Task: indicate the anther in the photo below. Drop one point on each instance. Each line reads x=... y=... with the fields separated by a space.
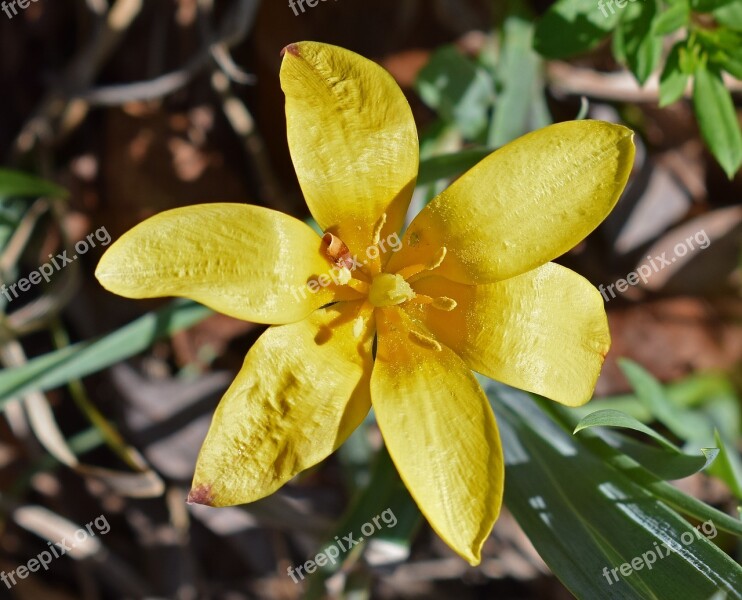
x=411 y=272
x=337 y=251
x=377 y=229
x=425 y=341
x=437 y=259
x=358 y=327
x=444 y=303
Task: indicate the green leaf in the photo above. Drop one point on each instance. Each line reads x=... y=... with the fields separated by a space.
x=634 y=42
x=732 y=65
x=572 y=26
x=519 y=80
x=614 y=418
x=693 y=507
x=728 y=466
x=586 y=517
x=730 y=15
x=724 y=49
x=458 y=89
x=16 y=183
x=666 y=463
x=675 y=17
x=597 y=442
x=449 y=165
x=57 y=368
x=650 y=391
x=385 y=493
x=705 y=6
x=673 y=80
x=717 y=119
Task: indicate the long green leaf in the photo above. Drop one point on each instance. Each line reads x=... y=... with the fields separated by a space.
x=673 y=80
x=56 y=368
x=449 y=165
x=669 y=462
x=16 y=183
x=572 y=26
x=458 y=89
x=518 y=78
x=717 y=119
x=682 y=423
x=665 y=464
x=728 y=467
x=587 y=518
x=614 y=418
x=639 y=47
x=384 y=492
x=730 y=15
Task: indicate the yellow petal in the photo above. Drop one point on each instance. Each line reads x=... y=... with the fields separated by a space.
x=352 y=139
x=544 y=331
x=525 y=204
x=440 y=432
x=303 y=389
x=245 y=261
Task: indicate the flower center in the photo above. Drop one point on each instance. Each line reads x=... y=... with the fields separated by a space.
x=389 y=289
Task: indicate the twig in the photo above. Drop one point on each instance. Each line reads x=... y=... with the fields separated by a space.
x=57 y=113
x=239 y=117
x=235 y=26
x=619 y=86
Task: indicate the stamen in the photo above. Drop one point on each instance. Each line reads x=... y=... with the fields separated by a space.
x=441 y=303
x=445 y=303
x=359 y=323
x=409 y=273
x=344 y=276
x=358 y=327
x=424 y=340
x=437 y=259
x=337 y=251
x=421 y=299
x=359 y=286
x=377 y=229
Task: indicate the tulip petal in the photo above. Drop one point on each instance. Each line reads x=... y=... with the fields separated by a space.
x=245 y=261
x=303 y=389
x=440 y=432
x=352 y=139
x=523 y=205
x=544 y=331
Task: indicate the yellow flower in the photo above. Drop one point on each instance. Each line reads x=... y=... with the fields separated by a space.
x=468 y=287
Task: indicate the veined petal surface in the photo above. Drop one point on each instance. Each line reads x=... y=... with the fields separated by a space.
x=440 y=432
x=304 y=387
x=544 y=331
x=245 y=261
x=525 y=204
x=352 y=139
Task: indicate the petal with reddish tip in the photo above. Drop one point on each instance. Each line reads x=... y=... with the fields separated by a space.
x=303 y=389
x=352 y=138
